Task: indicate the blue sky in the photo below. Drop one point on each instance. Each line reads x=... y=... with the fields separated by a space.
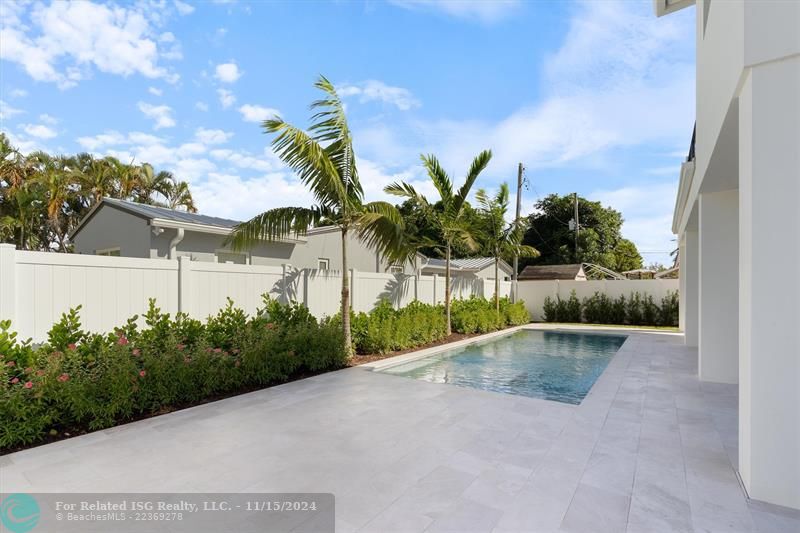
x=595 y=97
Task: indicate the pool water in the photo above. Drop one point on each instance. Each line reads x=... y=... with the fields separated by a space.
x=540 y=364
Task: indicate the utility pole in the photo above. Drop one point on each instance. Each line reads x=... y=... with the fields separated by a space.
x=577 y=228
x=515 y=282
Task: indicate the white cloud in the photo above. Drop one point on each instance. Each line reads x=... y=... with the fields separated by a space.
x=483 y=10
x=22 y=143
x=226 y=98
x=227 y=72
x=62 y=42
x=18 y=93
x=48 y=119
x=40 y=131
x=155 y=91
x=257 y=113
x=160 y=114
x=647 y=210
x=6 y=111
x=115 y=138
x=374 y=90
x=246 y=197
x=201 y=106
x=183 y=8
x=207 y=136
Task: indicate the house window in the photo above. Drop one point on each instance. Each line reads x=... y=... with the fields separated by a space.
x=323 y=264
x=109 y=252
x=231 y=257
x=396 y=269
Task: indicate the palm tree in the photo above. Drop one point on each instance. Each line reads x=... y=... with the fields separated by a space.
x=95 y=177
x=148 y=182
x=499 y=237
x=54 y=174
x=448 y=212
x=178 y=195
x=324 y=161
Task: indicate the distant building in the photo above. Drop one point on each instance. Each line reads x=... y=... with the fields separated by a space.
x=548 y=272
x=475 y=267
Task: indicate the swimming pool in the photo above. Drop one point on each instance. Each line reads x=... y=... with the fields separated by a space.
x=541 y=364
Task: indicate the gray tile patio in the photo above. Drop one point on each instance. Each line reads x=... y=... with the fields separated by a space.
x=650 y=449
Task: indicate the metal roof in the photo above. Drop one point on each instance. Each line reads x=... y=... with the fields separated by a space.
x=151 y=212
x=470 y=264
x=540 y=272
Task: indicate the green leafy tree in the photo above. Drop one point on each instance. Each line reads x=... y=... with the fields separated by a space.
x=324 y=161
x=448 y=214
x=44 y=196
x=600 y=239
x=499 y=238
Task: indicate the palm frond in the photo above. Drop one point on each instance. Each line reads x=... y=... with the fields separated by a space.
x=440 y=179
x=478 y=164
x=274 y=224
x=406 y=190
x=381 y=227
x=303 y=154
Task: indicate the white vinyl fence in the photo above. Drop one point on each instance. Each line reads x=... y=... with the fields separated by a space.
x=534 y=292
x=36 y=287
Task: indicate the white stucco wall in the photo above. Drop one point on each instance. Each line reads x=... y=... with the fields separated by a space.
x=718 y=350
x=769 y=336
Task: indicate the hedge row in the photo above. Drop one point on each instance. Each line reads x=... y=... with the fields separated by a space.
x=79 y=381
x=636 y=310
x=386 y=329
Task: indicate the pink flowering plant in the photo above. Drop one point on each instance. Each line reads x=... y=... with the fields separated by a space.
x=79 y=381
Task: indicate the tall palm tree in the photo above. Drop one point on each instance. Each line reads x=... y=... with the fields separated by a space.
x=448 y=212
x=324 y=161
x=54 y=174
x=500 y=238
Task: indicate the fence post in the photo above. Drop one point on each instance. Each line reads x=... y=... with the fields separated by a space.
x=8 y=284
x=416 y=285
x=184 y=284
x=435 y=283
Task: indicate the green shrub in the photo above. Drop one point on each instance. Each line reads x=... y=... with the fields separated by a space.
x=649 y=311
x=668 y=313
x=549 y=309
x=633 y=310
x=514 y=314
x=385 y=329
x=80 y=381
x=474 y=315
x=618 y=311
x=572 y=308
x=597 y=309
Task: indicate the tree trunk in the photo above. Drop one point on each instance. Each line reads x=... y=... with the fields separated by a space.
x=497 y=287
x=448 y=329
x=348 y=339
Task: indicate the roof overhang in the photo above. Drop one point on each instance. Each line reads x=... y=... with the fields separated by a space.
x=665 y=7
x=679 y=215
x=207 y=228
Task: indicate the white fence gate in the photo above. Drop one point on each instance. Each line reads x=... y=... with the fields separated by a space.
x=36 y=287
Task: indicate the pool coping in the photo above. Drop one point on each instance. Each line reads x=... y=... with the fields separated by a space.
x=427 y=352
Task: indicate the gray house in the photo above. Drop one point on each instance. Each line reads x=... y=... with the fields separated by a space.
x=128 y=229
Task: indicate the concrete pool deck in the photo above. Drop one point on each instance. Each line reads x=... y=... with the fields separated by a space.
x=651 y=448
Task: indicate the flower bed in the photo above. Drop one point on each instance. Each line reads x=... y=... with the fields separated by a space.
x=78 y=381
